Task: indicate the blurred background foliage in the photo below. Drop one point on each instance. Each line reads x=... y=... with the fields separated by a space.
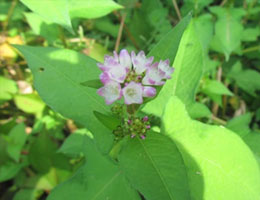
x=34 y=155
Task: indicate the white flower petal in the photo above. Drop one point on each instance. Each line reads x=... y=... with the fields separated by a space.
x=111 y=92
x=117 y=73
x=153 y=76
x=125 y=59
x=164 y=66
x=140 y=62
x=133 y=93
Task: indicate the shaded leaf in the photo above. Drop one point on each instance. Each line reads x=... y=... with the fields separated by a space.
x=155 y=167
x=16 y=140
x=98 y=179
x=53 y=11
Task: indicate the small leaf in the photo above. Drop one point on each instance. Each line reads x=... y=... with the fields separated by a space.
x=9 y=170
x=92 y=83
x=109 y=121
x=30 y=103
x=216 y=87
x=7 y=88
x=248 y=80
x=74 y=144
x=228 y=29
x=16 y=140
x=91 y=8
x=240 y=124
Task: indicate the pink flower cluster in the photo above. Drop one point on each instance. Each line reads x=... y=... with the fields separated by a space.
x=131 y=76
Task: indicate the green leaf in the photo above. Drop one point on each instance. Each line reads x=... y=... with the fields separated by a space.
x=216 y=158
x=248 y=80
x=28 y=194
x=16 y=140
x=58 y=74
x=228 y=29
x=253 y=140
x=42 y=27
x=240 y=124
x=91 y=8
x=167 y=47
x=98 y=179
x=7 y=88
x=30 y=103
x=93 y=83
x=155 y=167
x=250 y=34
x=53 y=11
x=188 y=71
x=43 y=158
x=9 y=170
x=195 y=5
x=109 y=121
x=198 y=110
x=204 y=28
x=74 y=144
x=215 y=87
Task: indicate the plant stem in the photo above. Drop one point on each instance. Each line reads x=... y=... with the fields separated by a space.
x=119 y=35
x=218 y=120
x=176 y=9
x=250 y=49
x=9 y=15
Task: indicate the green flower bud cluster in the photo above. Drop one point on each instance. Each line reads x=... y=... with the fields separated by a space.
x=132 y=76
x=133 y=126
x=118 y=110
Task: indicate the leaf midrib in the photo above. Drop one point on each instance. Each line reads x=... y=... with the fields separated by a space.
x=156 y=169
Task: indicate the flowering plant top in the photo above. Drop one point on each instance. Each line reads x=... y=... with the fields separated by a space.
x=131 y=77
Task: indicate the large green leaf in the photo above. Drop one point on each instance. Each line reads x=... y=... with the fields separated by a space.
x=58 y=74
x=227 y=165
x=228 y=29
x=54 y=11
x=91 y=8
x=168 y=45
x=188 y=71
x=98 y=179
x=155 y=167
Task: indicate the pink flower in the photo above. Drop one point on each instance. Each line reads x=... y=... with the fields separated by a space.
x=133 y=93
x=140 y=62
x=149 y=91
x=111 y=91
x=154 y=76
x=164 y=66
x=135 y=74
